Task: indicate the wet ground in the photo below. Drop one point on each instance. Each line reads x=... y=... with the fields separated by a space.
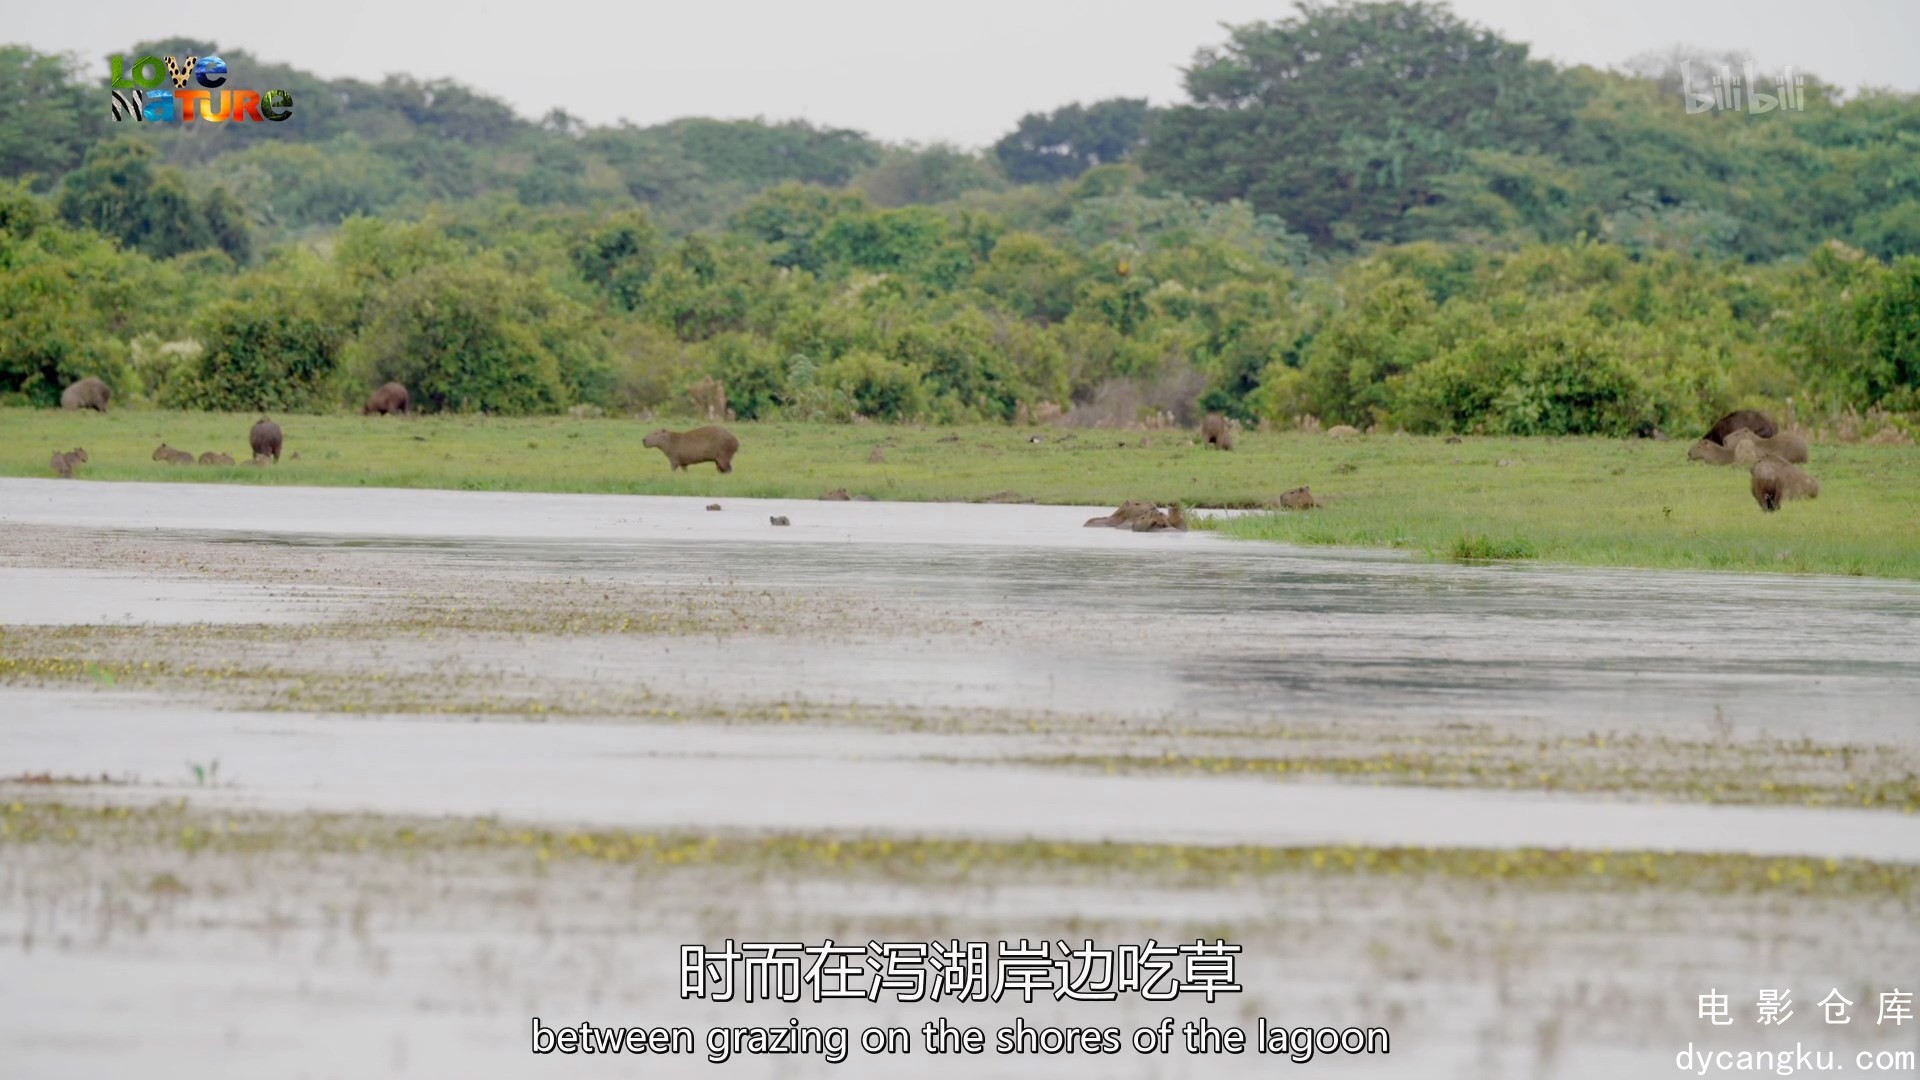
x=996 y=673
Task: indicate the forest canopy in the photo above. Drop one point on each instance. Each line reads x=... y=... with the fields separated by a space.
x=1370 y=213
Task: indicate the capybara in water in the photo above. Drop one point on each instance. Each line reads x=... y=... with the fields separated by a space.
x=1748 y=448
x=221 y=458
x=168 y=454
x=1215 y=431
x=1710 y=452
x=684 y=448
x=1140 y=516
x=63 y=463
x=88 y=393
x=1743 y=420
x=1342 y=431
x=1775 y=481
x=1299 y=498
x=391 y=398
x=265 y=439
x=1130 y=511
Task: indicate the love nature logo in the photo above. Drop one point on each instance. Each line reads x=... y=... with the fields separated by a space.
x=156 y=89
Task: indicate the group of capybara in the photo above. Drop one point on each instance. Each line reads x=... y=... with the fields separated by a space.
x=1773 y=457
x=264 y=438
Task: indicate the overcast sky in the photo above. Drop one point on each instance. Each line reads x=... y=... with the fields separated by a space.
x=900 y=69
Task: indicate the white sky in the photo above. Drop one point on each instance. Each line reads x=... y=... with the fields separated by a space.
x=900 y=69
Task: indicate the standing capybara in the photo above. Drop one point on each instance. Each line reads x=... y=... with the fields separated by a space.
x=1775 y=481
x=63 y=463
x=88 y=393
x=265 y=439
x=684 y=448
x=168 y=454
x=1215 y=431
x=391 y=398
x=1744 y=420
x=221 y=458
x=1710 y=452
x=1748 y=448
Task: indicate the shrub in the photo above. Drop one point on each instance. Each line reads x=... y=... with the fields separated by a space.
x=879 y=388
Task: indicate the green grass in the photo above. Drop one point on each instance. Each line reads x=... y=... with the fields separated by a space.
x=1594 y=502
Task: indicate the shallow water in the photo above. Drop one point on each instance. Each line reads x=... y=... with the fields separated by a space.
x=692 y=776
x=285 y=966
x=1215 y=632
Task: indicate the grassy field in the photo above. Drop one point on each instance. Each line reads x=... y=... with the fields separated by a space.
x=1587 y=501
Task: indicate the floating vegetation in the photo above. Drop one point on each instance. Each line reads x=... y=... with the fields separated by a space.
x=177 y=825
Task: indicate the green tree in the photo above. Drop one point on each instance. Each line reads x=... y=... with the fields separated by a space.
x=51 y=115
x=619 y=255
x=1342 y=118
x=460 y=337
x=273 y=345
x=1068 y=141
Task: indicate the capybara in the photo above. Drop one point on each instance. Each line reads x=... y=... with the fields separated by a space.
x=88 y=393
x=778 y=519
x=221 y=458
x=1130 y=511
x=836 y=495
x=1342 y=431
x=1215 y=431
x=63 y=463
x=1743 y=420
x=1140 y=516
x=391 y=398
x=1775 y=481
x=258 y=460
x=265 y=439
x=713 y=506
x=1748 y=448
x=1299 y=498
x=1710 y=452
x=168 y=454
x=684 y=448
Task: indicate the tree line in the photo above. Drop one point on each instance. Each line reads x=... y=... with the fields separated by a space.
x=1366 y=213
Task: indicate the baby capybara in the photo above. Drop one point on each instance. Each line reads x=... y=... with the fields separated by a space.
x=684 y=448
x=168 y=454
x=63 y=463
x=1775 y=481
x=88 y=393
x=221 y=458
x=265 y=439
x=391 y=398
x=1744 y=420
x=1216 y=431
